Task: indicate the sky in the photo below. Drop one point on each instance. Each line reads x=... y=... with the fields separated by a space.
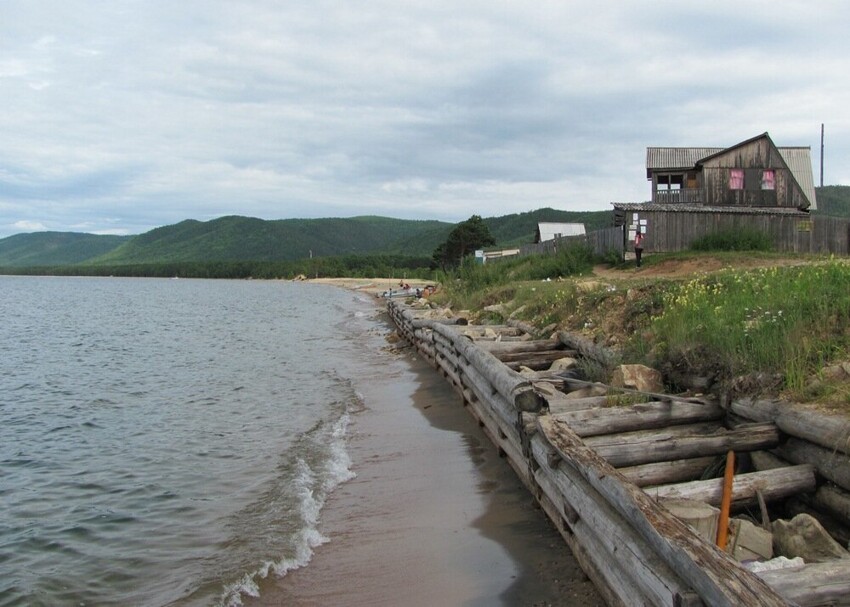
x=119 y=116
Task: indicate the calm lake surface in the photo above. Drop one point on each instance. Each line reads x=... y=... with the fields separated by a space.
x=154 y=431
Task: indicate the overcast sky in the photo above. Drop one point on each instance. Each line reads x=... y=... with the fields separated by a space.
x=118 y=116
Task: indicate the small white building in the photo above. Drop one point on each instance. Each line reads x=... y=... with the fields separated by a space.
x=551 y=231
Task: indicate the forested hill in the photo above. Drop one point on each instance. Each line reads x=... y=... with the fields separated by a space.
x=237 y=238
x=55 y=248
x=833 y=200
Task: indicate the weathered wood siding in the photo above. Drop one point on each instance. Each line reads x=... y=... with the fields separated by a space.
x=600 y=241
x=671 y=232
x=753 y=158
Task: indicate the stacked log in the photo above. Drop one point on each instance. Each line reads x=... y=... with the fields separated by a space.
x=821 y=440
x=586 y=461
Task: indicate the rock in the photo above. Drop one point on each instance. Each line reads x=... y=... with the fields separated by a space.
x=805 y=537
x=637 y=377
x=496 y=308
x=563 y=364
x=839 y=372
x=516 y=312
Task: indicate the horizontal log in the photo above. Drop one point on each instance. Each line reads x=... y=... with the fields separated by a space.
x=564 y=404
x=813 y=584
x=622 y=555
x=774 y=485
x=539 y=362
x=830 y=431
x=510 y=384
x=634 y=448
x=714 y=575
x=531 y=345
x=833 y=501
x=641 y=416
x=662 y=473
x=529 y=359
x=605 y=357
x=481 y=331
x=832 y=465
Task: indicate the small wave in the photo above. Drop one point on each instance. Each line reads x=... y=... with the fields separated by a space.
x=312 y=488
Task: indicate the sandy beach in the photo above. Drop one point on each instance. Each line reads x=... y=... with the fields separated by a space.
x=433 y=517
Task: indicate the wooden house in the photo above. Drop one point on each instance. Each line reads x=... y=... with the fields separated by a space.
x=698 y=191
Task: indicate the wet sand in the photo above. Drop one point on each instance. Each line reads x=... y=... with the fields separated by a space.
x=433 y=517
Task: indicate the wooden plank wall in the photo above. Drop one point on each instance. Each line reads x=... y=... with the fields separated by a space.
x=669 y=232
x=601 y=241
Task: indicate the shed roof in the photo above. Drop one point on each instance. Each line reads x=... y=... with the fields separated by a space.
x=549 y=231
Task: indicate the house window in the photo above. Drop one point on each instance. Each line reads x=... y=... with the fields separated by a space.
x=768 y=180
x=736 y=179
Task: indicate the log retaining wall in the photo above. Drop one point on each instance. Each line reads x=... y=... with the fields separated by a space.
x=636 y=552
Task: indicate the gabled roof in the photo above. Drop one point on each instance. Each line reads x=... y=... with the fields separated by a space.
x=548 y=231
x=797 y=158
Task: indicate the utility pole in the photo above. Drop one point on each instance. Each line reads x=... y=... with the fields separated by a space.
x=821 y=154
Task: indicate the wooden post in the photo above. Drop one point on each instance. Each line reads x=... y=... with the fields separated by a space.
x=726 y=501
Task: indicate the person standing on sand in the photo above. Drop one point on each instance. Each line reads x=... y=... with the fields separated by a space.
x=638 y=246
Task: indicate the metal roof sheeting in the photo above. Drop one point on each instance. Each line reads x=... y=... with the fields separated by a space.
x=699 y=208
x=549 y=231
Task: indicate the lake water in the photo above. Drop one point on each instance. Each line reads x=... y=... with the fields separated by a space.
x=170 y=442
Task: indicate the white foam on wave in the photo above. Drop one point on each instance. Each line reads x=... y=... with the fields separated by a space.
x=311 y=498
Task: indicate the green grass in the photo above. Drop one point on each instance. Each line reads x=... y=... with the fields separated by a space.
x=784 y=320
x=787 y=321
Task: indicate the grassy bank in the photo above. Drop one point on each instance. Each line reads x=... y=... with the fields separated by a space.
x=769 y=328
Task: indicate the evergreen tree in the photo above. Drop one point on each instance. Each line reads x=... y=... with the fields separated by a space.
x=464 y=239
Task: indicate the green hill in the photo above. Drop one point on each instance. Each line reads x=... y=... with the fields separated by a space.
x=235 y=238
x=833 y=200
x=55 y=248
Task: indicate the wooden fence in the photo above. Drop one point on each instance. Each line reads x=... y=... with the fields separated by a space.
x=601 y=242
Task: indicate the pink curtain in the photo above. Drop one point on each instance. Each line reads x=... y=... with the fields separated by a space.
x=768 y=180
x=736 y=179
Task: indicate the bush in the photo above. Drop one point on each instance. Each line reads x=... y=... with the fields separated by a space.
x=745 y=239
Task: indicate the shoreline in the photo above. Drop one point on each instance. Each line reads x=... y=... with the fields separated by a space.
x=433 y=516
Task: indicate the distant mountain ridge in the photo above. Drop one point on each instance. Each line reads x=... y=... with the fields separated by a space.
x=238 y=238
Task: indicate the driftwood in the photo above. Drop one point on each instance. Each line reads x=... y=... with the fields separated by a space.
x=829 y=431
x=676 y=443
x=774 y=485
x=662 y=473
x=715 y=576
x=642 y=416
x=832 y=465
x=814 y=584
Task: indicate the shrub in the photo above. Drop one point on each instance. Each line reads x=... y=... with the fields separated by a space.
x=745 y=239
